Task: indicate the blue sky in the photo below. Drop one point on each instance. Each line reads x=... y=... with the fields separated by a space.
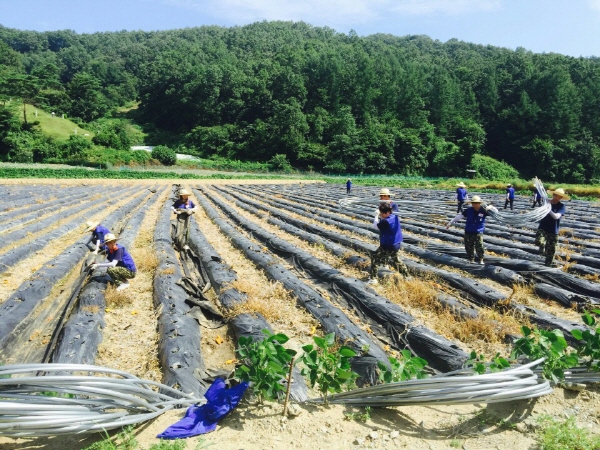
x=570 y=27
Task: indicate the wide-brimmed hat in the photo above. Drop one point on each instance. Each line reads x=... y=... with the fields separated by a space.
x=476 y=199
x=461 y=184
x=508 y=185
x=110 y=237
x=90 y=225
x=184 y=192
x=561 y=192
x=385 y=191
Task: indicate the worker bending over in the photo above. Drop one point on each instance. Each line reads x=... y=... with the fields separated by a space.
x=98 y=235
x=390 y=243
x=475 y=216
x=121 y=266
x=546 y=237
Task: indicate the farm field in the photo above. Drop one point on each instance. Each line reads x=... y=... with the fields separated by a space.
x=290 y=257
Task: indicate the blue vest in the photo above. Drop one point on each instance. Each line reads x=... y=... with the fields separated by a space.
x=461 y=194
x=511 y=193
x=390 y=236
x=548 y=223
x=475 y=220
x=123 y=257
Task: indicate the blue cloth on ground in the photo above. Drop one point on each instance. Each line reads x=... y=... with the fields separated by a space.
x=203 y=419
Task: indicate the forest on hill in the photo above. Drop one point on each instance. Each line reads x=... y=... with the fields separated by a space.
x=326 y=100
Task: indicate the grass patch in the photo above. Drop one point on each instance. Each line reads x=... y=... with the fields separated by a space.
x=145 y=259
x=56 y=127
x=116 y=299
x=557 y=435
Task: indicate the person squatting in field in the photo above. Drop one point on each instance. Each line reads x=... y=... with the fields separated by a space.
x=386 y=196
x=475 y=216
x=121 y=266
x=510 y=196
x=546 y=237
x=97 y=237
x=390 y=243
x=461 y=196
x=183 y=207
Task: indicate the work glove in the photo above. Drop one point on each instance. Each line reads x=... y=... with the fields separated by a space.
x=189 y=212
x=93 y=266
x=448 y=225
x=95 y=252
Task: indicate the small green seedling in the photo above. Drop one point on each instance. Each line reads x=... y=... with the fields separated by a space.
x=361 y=417
x=479 y=366
x=405 y=367
x=326 y=367
x=589 y=342
x=265 y=364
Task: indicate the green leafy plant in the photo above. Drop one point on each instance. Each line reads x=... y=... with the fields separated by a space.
x=405 y=367
x=556 y=435
x=124 y=440
x=326 y=367
x=265 y=364
x=361 y=417
x=479 y=365
x=589 y=342
x=551 y=345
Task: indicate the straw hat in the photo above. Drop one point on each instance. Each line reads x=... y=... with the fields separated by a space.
x=508 y=185
x=184 y=192
x=461 y=184
x=384 y=191
x=476 y=199
x=561 y=192
x=90 y=225
x=110 y=237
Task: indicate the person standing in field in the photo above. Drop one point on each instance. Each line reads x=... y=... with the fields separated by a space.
x=546 y=237
x=385 y=196
x=348 y=186
x=537 y=198
x=98 y=234
x=475 y=216
x=510 y=196
x=183 y=207
x=390 y=243
x=121 y=266
x=461 y=196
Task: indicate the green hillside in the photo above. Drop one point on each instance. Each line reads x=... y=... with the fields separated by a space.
x=56 y=127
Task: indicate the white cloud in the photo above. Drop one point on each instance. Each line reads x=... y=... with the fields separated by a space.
x=331 y=12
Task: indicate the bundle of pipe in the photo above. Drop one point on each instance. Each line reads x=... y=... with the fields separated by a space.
x=516 y=383
x=51 y=405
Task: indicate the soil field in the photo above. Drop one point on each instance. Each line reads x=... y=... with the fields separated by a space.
x=294 y=260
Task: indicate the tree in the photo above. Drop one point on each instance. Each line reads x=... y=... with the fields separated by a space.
x=164 y=154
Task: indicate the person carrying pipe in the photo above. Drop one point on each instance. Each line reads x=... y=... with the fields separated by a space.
x=510 y=196
x=385 y=196
x=98 y=235
x=390 y=243
x=348 y=186
x=475 y=216
x=461 y=196
x=183 y=207
x=121 y=266
x=546 y=237
x=537 y=198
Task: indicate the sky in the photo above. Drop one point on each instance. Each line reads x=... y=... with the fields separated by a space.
x=570 y=27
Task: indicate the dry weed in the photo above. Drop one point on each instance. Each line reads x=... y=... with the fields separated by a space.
x=521 y=293
x=168 y=271
x=145 y=259
x=116 y=299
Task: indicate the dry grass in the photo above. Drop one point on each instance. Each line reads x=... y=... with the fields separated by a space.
x=521 y=293
x=168 y=271
x=145 y=259
x=116 y=299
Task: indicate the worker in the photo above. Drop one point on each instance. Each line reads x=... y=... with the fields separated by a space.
x=121 y=266
x=546 y=237
x=183 y=207
x=510 y=196
x=390 y=243
x=461 y=196
x=475 y=216
x=348 y=186
x=98 y=234
x=537 y=197
x=386 y=196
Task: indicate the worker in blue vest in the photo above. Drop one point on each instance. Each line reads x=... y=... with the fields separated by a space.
x=475 y=216
x=348 y=186
x=121 y=267
x=390 y=243
x=461 y=196
x=510 y=196
x=385 y=196
x=546 y=237
x=97 y=237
